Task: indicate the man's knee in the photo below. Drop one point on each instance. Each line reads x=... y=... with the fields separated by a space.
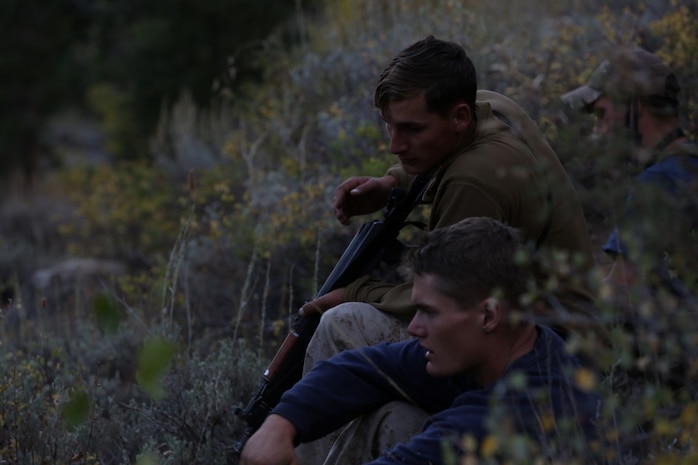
x=352 y=325
x=361 y=324
x=399 y=422
x=369 y=436
x=348 y=316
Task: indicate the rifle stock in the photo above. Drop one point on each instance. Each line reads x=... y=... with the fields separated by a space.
x=371 y=244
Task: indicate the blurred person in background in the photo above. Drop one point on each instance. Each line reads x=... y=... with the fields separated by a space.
x=634 y=96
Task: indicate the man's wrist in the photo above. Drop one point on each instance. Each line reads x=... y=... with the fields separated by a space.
x=281 y=425
x=390 y=181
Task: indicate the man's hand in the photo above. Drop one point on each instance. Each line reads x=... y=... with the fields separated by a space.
x=272 y=444
x=622 y=280
x=623 y=274
x=324 y=302
x=361 y=195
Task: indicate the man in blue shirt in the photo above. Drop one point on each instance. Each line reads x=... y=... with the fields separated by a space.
x=636 y=94
x=635 y=98
x=478 y=369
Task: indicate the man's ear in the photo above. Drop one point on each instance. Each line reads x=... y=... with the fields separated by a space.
x=462 y=116
x=492 y=314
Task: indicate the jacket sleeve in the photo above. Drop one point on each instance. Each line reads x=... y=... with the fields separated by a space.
x=404 y=179
x=391 y=298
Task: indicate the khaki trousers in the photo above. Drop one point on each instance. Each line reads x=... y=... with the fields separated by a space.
x=369 y=436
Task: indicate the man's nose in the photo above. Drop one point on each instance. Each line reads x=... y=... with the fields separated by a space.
x=398 y=144
x=415 y=328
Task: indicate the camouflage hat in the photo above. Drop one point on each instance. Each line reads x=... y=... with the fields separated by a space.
x=629 y=73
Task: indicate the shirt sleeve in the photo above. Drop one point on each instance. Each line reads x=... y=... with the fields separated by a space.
x=654 y=191
x=614 y=246
x=392 y=298
x=355 y=382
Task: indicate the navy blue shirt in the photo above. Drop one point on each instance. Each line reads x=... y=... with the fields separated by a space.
x=535 y=386
x=670 y=175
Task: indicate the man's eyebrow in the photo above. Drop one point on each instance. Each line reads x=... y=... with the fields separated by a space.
x=422 y=306
x=407 y=124
x=400 y=123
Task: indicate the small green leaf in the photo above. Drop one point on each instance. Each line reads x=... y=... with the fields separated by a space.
x=76 y=410
x=106 y=313
x=518 y=380
x=153 y=360
x=146 y=458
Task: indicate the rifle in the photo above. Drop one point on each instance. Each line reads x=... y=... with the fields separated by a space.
x=375 y=241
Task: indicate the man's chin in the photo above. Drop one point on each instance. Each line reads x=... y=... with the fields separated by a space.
x=434 y=370
x=413 y=170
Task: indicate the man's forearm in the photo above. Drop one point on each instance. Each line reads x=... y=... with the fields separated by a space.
x=272 y=444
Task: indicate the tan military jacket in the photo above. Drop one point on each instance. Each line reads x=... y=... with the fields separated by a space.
x=505 y=170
